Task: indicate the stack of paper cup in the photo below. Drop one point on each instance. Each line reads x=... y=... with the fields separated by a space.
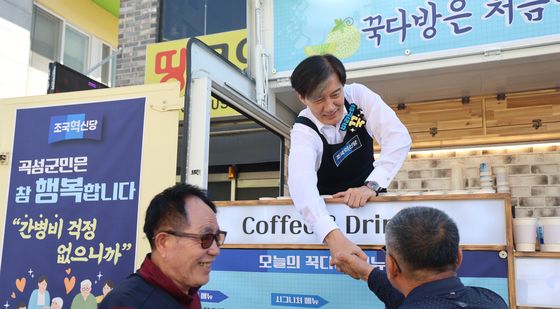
x=502 y=182
x=457 y=181
x=525 y=233
x=550 y=234
x=486 y=181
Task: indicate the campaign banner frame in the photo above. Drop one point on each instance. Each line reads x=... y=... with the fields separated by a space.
x=156 y=105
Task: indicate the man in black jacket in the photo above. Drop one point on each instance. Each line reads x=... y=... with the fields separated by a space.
x=185 y=238
x=422 y=258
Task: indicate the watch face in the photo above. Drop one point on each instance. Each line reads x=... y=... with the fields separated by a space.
x=372 y=185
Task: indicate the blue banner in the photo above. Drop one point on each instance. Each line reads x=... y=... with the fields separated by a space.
x=305 y=279
x=74 y=181
x=360 y=30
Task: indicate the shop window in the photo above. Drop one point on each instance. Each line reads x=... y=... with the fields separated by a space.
x=191 y=18
x=106 y=68
x=45 y=39
x=53 y=39
x=76 y=46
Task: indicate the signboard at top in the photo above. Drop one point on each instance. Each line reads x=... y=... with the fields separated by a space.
x=367 y=30
x=282 y=224
x=167 y=61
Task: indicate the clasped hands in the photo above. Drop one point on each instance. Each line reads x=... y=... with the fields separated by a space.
x=347 y=256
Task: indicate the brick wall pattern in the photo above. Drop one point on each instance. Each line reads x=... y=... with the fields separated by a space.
x=533 y=174
x=138 y=27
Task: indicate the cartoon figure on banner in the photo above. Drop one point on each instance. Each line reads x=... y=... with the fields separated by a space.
x=40 y=297
x=84 y=300
x=21 y=306
x=107 y=287
x=57 y=303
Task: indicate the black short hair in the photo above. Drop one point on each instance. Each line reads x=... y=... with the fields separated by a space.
x=423 y=238
x=310 y=76
x=109 y=283
x=168 y=209
x=43 y=278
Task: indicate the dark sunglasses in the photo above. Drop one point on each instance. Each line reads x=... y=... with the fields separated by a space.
x=206 y=240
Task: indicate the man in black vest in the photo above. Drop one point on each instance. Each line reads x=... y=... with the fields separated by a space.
x=331 y=147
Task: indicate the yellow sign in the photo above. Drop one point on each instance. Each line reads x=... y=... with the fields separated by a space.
x=167 y=61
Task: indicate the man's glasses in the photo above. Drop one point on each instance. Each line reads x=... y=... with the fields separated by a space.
x=206 y=240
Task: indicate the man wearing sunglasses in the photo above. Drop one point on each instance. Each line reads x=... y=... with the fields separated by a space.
x=421 y=258
x=184 y=236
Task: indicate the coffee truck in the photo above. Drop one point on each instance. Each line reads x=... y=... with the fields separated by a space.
x=458 y=74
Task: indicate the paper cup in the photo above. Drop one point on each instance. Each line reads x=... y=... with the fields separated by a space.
x=457 y=181
x=525 y=234
x=551 y=234
x=501 y=175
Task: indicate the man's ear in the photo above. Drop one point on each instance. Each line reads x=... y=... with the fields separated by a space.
x=161 y=242
x=301 y=98
x=392 y=266
x=459 y=258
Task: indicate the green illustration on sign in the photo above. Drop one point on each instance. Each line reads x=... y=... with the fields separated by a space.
x=343 y=41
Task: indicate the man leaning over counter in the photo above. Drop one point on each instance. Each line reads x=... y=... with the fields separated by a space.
x=331 y=150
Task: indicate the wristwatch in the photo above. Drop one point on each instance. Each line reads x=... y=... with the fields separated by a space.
x=374 y=186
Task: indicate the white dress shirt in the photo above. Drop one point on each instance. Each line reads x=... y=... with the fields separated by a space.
x=306 y=151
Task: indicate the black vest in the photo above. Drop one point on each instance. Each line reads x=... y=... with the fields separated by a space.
x=348 y=164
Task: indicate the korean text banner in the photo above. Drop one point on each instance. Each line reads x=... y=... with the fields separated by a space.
x=167 y=61
x=305 y=279
x=362 y=30
x=72 y=203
